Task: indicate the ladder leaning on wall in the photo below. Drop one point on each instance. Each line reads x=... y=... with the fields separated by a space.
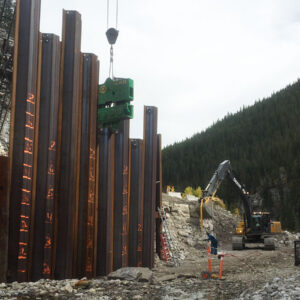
x=168 y=246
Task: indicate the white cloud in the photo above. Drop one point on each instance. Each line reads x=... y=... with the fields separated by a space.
x=195 y=60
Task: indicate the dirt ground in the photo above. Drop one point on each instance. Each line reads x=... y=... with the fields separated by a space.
x=246 y=270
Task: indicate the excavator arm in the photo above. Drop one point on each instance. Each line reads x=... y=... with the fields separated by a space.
x=224 y=170
x=217 y=179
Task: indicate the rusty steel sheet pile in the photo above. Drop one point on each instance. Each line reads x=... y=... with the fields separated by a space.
x=106 y=162
x=87 y=183
x=137 y=170
x=42 y=252
x=82 y=199
x=121 y=192
x=68 y=148
x=150 y=138
x=23 y=142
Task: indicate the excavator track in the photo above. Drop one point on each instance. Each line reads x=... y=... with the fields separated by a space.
x=238 y=242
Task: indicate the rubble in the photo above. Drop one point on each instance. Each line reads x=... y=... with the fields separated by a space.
x=278 y=288
x=132 y=274
x=249 y=274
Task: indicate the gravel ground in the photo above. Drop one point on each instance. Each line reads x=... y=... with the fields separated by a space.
x=249 y=274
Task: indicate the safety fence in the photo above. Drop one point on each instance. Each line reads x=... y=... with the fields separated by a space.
x=79 y=201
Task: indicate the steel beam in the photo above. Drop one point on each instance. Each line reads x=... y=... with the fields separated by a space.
x=3 y=216
x=69 y=146
x=158 y=203
x=136 y=203
x=91 y=245
x=150 y=138
x=121 y=215
x=46 y=163
x=22 y=139
x=105 y=152
x=86 y=217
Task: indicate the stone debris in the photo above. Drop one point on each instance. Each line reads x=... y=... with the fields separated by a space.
x=132 y=274
x=249 y=274
x=278 y=288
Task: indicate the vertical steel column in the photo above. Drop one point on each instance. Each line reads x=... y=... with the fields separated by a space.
x=86 y=217
x=22 y=149
x=150 y=138
x=46 y=162
x=106 y=147
x=3 y=216
x=121 y=197
x=136 y=203
x=158 y=195
x=68 y=151
x=91 y=245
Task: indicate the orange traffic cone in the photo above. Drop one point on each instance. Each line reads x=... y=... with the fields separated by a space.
x=209 y=259
x=221 y=266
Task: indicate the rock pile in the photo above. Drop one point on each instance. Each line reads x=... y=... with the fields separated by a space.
x=286 y=239
x=130 y=286
x=278 y=288
x=184 y=223
x=183 y=219
x=184 y=226
x=134 y=284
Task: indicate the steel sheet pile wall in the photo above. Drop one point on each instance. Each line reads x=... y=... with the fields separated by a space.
x=87 y=193
x=22 y=139
x=72 y=188
x=106 y=162
x=136 y=202
x=150 y=138
x=121 y=215
x=68 y=185
x=43 y=251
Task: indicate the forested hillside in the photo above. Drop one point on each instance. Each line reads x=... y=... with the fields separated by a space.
x=263 y=144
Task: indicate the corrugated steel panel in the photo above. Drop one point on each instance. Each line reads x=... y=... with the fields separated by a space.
x=22 y=139
x=150 y=138
x=136 y=203
x=121 y=192
x=86 y=217
x=69 y=150
x=106 y=149
x=42 y=265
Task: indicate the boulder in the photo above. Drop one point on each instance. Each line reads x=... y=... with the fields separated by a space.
x=132 y=274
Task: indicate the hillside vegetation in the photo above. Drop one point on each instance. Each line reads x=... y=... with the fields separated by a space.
x=263 y=144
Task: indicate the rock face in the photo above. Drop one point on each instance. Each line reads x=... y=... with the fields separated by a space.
x=183 y=220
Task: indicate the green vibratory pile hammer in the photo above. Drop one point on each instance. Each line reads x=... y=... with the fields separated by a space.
x=114 y=97
x=115 y=94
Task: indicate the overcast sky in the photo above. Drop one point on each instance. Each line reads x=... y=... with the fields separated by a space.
x=196 y=60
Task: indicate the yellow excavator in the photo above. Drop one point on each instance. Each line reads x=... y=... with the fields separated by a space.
x=257 y=226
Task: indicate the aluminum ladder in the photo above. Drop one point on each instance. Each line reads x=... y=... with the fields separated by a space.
x=166 y=232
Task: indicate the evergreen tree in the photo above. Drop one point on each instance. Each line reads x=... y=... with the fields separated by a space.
x=260 y=141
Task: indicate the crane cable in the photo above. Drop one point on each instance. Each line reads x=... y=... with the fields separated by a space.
x=112 y=34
